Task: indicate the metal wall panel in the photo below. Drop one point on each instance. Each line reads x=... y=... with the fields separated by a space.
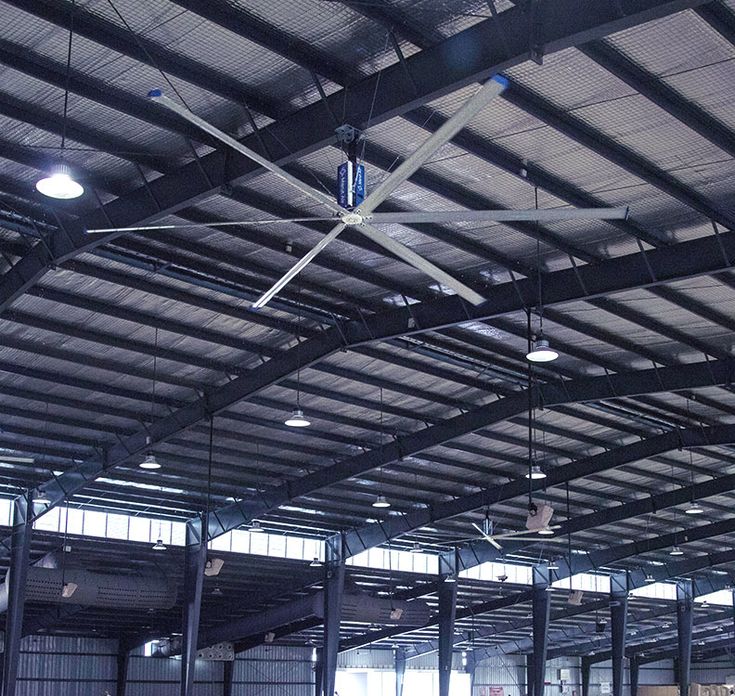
x=274 y=671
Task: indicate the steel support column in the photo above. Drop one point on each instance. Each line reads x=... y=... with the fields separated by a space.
x=618 y=620
x=227 y=674
x=123 y=660
x=684 y=602
x=541 y=615
x=447 y=614
x=195 y=561
x=318 y=672
x=400 y=666
x=529 y=674
x=20 y=550
x=334 y=584
x=470 y=667
x=586 y=669
x=634 y=674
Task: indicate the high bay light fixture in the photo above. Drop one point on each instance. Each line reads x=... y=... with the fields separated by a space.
x=541 y=351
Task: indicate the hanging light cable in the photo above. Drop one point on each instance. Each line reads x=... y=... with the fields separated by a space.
x=380 y=500
x=297 y=419
x=539 y=349
x=59 y=182
x=150 y=462
x=694 y=508
x=41 y=497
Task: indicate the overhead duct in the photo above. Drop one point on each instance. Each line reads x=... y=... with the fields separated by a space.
x=356 y=608
x=92 y=589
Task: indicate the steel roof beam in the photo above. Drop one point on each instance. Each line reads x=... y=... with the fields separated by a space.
x=119 y=39
x=307 y=130
x=657 y=91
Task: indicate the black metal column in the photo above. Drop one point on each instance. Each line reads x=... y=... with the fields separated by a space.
x=195 y=560
x=586 y=669
x=541 y=614
x=20 y=551
x=470 y=667
x=123 y=660
x=529 y=674
x=635 y=668
x=447 y=613
x=334 y=585
x=227 y=674
x=618 y=619
x=400 y=659
x=684 y=602
x=318 y=672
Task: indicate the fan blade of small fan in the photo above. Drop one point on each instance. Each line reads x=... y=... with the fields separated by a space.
x=17 y=460
x=158 y=96
x=557 y=214
x=305 y=260
x=227 y=223
x=455 y=123
x=488 y=537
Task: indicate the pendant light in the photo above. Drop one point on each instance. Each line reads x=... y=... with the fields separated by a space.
x=416 y=548
x=546 y=531
x=150 y=462
x=59 y=182
x=676 y=551
x=159 y=545
x=649 y=579
x=539 y=350
x=694 y=508
x=256 y=527
x=381 y=502
x=535 y=473
x=297 y=419
x=316 y=563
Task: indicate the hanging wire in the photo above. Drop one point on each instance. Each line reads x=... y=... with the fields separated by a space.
x=538 y=269
x=530 y=412
x=155 y=372
x=209 y=463
x=298 y=354
x=67 y=77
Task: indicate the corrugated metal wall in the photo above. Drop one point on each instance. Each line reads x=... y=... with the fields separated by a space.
x=53 y=666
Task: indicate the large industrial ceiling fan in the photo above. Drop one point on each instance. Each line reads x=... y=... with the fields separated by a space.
x=354 y=209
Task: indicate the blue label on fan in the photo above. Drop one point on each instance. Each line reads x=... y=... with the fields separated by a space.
x=350 y=185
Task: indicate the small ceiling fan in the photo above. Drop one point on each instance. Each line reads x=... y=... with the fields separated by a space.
x=487 y=533
x=354 y=209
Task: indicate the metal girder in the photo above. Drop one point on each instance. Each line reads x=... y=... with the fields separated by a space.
x=334 y=584
x=634 y=668
x=658 y=92
x=684 y=617
x=613 y=151
x=475 y=553
x=470 y=556
x=123 y=661
x=400 y=669
x=195 y=559
x=119 y=39
x=16 y=581
x=683 y=260
x=529 y=673
x=541 y=608
x=228 y=669
x=447 y=614
x=618 y=620
x=586 y=669
x=433 y=74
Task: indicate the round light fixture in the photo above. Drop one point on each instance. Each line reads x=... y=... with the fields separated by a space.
x=60 y=184
x=381 y=502
x=217 y=592
x=553 y=566
x=450 y=579
x=256 y=527
x=535 y=473
x=546 y=531
x=541 y=351
x=150 y=462
x=159 y=545
x=649 y=578
x=316 y=563
x=676 y=551
x=416 y=548
x=297 y=419
x=694 y=509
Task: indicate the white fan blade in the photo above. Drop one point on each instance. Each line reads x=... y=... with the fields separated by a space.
x=17 y=460
x=422 y=264
x=266 y=297
x=158 y=96
x=227 y=223
x=478 y=101
x=556 y=214
x=489 y=538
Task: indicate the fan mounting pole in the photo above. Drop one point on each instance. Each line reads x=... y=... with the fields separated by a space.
x=350 y=174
